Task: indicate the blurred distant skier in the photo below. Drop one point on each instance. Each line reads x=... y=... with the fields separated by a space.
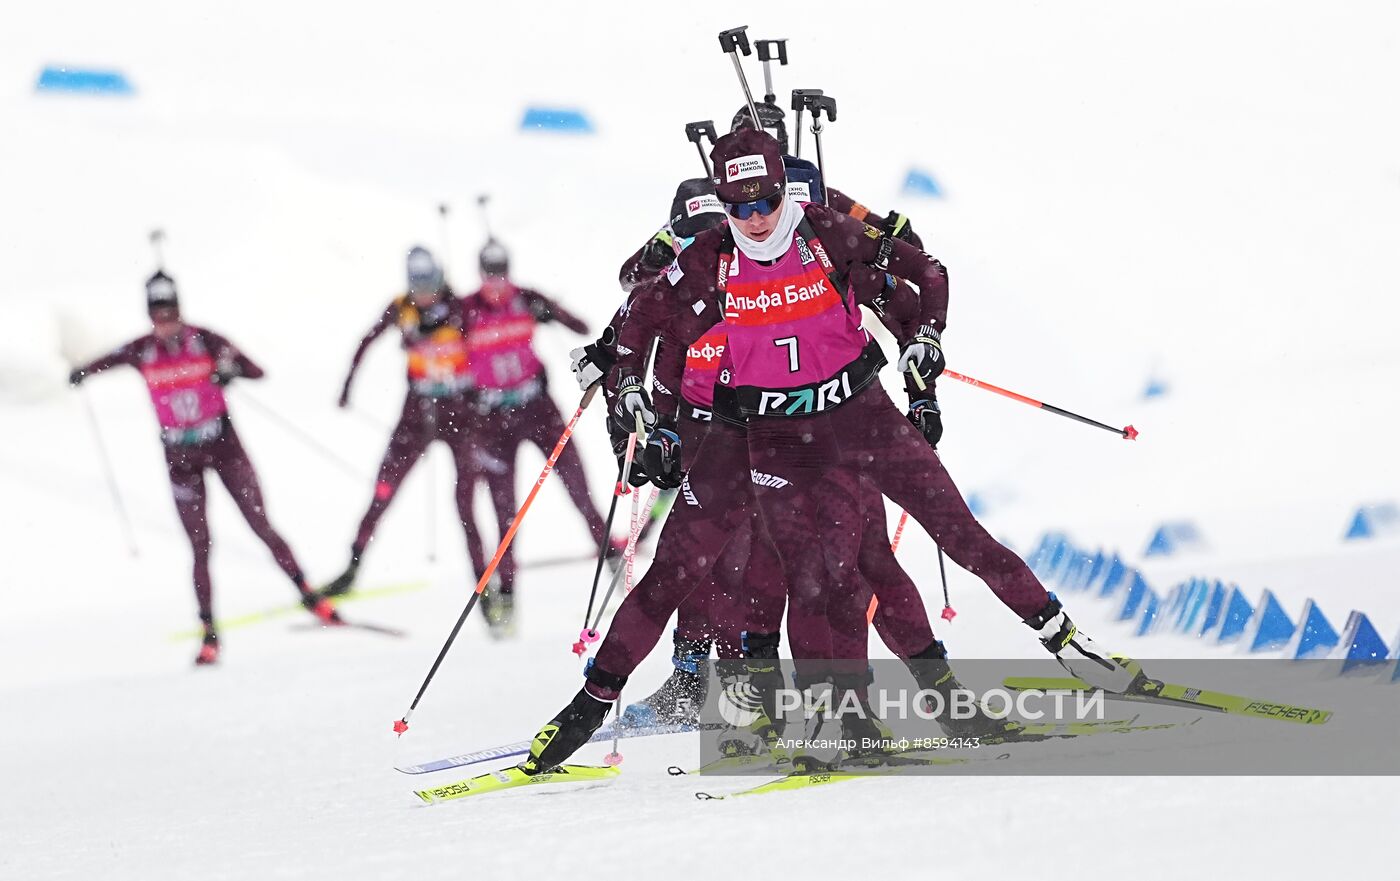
x=514 y=407
x=185 y=369
x=430 y=320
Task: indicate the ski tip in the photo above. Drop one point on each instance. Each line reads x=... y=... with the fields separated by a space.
x=1130 y=433
x=400 y=727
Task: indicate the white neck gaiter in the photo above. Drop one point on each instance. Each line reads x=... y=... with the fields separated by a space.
x=778 y=241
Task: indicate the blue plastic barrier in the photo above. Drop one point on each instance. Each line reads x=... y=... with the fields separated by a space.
x=921 y=183
x=1365 y=647
x=1172 y=538
x=1238 y=613
x=1370 y=521
x=1114 y=577
x=1275 y=628
x=1134 y=599
x=556 y=119
x=1150 y=610
x=83 y=81
x=1215 y=608
x=1316 y=636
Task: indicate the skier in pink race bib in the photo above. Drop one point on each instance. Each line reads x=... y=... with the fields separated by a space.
x=819 y=423
x=513 y=406
x=740 y=602
x=433 y=331
x=186 y=369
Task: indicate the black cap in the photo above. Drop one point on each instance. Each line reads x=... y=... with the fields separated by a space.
x=772 y=118
x=161 y=292
x=495 y=259
x=695 y=208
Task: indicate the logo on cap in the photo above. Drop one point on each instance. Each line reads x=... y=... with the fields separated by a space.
x=744 y=167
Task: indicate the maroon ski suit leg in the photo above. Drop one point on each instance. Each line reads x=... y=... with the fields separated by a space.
x=869 y=436
x=901 y=619
x=423 y=420
x=501 y=433
x=226 y=457
x=712 y=507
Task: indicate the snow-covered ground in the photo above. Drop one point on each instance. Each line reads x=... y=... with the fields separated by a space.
x=1199 y=193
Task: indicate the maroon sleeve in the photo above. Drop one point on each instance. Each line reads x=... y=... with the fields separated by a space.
x=678 y=304
x=848 y=241
x=843 y=203
x=388 y=318
x=646 y=261
x=125 y=354
x=545 y=310
x=226 y=354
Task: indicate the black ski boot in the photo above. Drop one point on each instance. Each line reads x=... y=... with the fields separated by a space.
x=870 y=739
x=749 y=702
x=1081 y=656
x=498 y=608
x=574 y=725
x=209 y=648
x=345 y=581
x=962 y=714
x=680 y=697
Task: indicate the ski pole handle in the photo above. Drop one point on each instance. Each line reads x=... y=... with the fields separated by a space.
x=695 y=132
x=732 y=42
x=1127 y=432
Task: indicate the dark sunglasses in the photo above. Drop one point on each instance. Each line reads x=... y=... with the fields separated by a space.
x=745 y=210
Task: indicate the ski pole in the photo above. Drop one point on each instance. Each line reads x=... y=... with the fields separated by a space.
x=624 y=572
x=157 y=240
x=732 y=42
x=800 y=98
x=401 y=725
x=1127 y=432
x=110 y=473
x=767 y=55
x=301 y=435
x=481 y=201
x=694 y=132
x=818 y=104
x=431 y=535
x=442 y=235
x=590 y=634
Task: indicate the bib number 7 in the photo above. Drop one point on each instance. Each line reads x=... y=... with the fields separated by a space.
x=791 y=343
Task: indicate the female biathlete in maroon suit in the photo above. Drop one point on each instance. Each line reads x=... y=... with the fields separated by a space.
x=186 y=368
x=513 y=406
x=805 y=375
x=717 y=612
x=430 y=319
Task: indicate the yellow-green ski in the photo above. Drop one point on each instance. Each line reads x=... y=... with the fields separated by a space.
x=297 y=609
x=513 y=778
x=1167 y=694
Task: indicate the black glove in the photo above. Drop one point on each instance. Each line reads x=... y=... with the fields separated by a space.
x=662 y=458
x=226 y=370
x=927 y=418
x=592 y=362
x=540 y=308
x=897 y=226
x=76 y=377
x=632 y=399
x=657 y=254
x=638 y=475
x=923 y=354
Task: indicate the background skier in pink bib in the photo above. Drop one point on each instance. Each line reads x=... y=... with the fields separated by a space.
x=186 y=369
x=430 y=319
x=513 y=406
